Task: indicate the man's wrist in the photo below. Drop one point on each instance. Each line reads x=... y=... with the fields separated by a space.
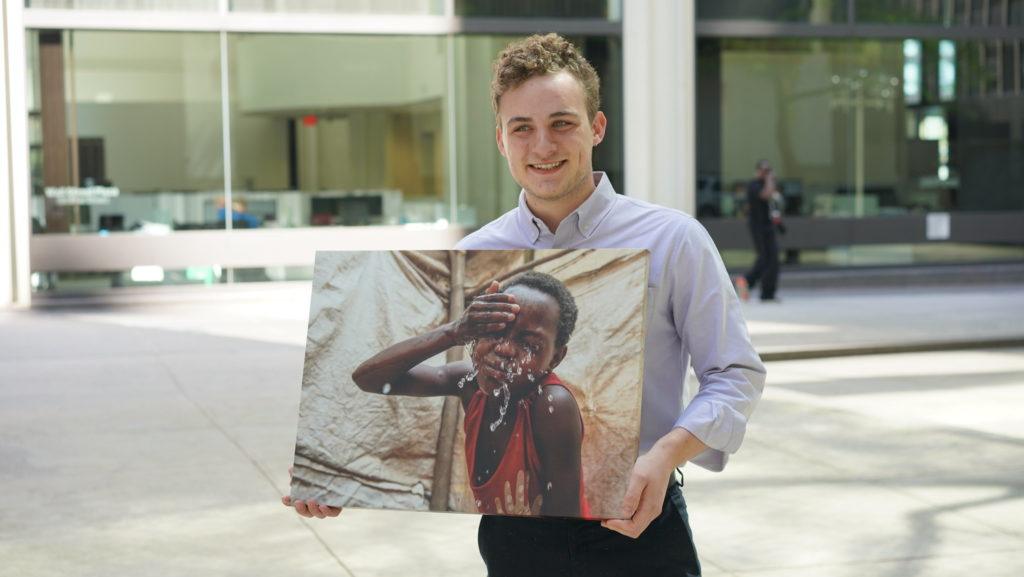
x=677 y=447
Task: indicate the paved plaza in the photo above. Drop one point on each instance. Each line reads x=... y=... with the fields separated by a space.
x=152 y=436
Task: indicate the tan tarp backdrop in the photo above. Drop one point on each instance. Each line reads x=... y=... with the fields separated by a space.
x=358 y=449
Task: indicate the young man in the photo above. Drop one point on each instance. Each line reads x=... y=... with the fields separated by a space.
x=546 y=98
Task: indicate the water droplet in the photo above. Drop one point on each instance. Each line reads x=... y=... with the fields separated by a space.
x=478 y=503
x=550 y=485
x=507 y=394
x=386 y=389
x=551 y=409
x=467 y=378
x=551 y=398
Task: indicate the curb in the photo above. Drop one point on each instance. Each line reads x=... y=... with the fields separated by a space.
x=794 y=354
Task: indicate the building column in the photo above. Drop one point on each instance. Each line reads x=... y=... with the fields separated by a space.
x=659 y=56
x=15 y=216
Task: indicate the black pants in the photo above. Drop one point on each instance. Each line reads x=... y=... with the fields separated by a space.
x=553 y=547
x=766 y=267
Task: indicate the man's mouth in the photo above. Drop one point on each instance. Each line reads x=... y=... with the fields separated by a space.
x=547 y=167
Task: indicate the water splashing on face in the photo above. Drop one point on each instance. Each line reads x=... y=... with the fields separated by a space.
x=386 y=389
x=507 y=394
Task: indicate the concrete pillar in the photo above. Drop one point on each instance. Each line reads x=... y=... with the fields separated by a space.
x=15 y=217
x=659 y=56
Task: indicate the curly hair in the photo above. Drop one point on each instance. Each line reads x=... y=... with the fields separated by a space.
x=539 y=55
x=554 y=288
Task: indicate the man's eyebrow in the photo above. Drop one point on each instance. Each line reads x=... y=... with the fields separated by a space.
x=559 y=114
x=518 y=119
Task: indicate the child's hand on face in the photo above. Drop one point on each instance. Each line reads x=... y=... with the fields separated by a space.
x=489 y=313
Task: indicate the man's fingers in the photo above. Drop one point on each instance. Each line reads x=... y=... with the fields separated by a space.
x=627 y=527
x=493 y=288
x=300 y=508
x=329 y=511
x=634 y=491
x=286 y=500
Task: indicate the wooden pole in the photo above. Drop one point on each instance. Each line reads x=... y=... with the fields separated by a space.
x=450 y=411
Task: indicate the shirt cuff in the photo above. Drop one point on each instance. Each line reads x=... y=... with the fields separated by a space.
x=718 y=426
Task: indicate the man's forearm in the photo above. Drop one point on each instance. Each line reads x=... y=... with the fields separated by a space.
x=677 y=447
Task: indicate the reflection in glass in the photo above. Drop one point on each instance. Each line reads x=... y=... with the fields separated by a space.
x=341 y=6
x=903 y=11
x=947 y=70
x=912 y=71
x=338 y=130
x=161 y=5
x=125 y=130
x=811 y=11
x=604 y=9
x=846 y=138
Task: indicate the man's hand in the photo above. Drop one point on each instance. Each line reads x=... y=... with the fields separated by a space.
x=486 y=315
x=644 y=495
x=310 y=508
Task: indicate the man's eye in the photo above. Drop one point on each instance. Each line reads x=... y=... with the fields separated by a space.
x=521 y=128
x=562 y=123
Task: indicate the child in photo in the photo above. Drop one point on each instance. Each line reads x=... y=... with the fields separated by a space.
x=524 y=432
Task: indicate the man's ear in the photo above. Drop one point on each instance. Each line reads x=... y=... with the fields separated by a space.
x=598 y=127
x=557 y=358
x=498 y=138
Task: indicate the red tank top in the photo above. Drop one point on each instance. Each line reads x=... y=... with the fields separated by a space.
x=520 y=455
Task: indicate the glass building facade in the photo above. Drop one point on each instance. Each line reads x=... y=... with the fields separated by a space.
x=896 y=127
x=169 y=131
x=874 y=114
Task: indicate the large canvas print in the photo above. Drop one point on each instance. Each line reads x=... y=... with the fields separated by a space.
x=493 y=382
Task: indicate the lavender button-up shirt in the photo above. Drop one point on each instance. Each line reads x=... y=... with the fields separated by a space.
x=693 y=313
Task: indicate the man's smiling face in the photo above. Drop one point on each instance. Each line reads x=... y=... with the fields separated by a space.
x=545 y=135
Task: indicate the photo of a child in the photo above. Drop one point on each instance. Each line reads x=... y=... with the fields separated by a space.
x=523 y=428
x=497 y=382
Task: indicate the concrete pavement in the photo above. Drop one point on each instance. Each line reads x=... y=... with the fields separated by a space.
x=152 y=437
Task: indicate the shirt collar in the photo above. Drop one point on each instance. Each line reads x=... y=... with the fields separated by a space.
x=587 y=216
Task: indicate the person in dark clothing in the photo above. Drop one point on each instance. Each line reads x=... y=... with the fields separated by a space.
x=763 y=220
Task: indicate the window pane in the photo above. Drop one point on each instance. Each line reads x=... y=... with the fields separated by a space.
x=813 y=11
x=606 y=9
x=486 y=190
x=341 y=6
x=338 y=130
x=1015 y=13
x=847 y=136
x=126 y=131
x=163 y=5
x=902 y=11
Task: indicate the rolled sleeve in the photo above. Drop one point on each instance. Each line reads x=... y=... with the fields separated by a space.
x=730 y=374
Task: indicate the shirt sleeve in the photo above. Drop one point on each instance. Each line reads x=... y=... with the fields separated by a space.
x=709 y=319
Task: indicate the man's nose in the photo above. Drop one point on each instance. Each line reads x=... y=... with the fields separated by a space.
x=545 y=144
